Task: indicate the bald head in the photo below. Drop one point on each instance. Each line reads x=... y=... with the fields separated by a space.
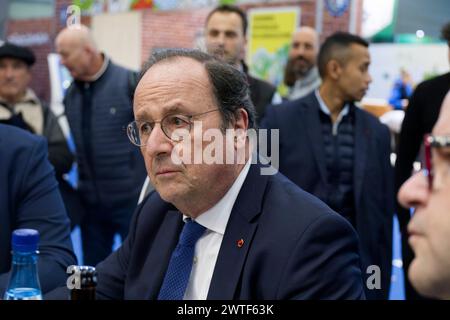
x=78 y=36
x=306 y=33
x=303 y=51
x=78 y=51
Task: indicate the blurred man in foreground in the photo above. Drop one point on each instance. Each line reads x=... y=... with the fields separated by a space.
x=429 y=229
x=30 y=199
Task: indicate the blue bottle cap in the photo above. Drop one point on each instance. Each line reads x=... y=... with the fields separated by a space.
x=25 y=240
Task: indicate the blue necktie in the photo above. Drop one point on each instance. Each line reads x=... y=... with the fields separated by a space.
x=180 y=265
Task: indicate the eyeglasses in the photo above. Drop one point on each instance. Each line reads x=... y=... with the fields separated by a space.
x=139 y=131
x=430 y=141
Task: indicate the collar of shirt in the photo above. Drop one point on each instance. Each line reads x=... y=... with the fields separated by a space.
x=28 y=97
x=216 y=218
x=102 y=70
x=305 y=85
x=208 y=246
x=324 y=109
x=312 y=77
x=30 y=108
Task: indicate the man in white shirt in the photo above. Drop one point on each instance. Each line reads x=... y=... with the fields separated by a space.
x=220 y=229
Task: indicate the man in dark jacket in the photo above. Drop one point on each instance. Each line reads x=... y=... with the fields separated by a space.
x=111 y=172
x=29 y=198
x=420 y=117
x=241 y=234
x=341 y=154
x=226 y=28
x=19 y=105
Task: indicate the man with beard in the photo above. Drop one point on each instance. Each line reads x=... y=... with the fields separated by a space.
x=341 y=153
x=226 y=39
x=301 y=74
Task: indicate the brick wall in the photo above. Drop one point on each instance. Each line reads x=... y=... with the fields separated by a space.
x=169 y=29
x=182 y=28
x=177 y=28
x=332 y=24
x=40 y=82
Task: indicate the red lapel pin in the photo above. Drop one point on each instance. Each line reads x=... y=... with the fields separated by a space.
x=240 y=243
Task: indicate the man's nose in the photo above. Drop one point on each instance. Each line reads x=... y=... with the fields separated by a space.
x=158 y=143
x=220 y=39
x=298 y=52
x=9 y=72
x=414 y=192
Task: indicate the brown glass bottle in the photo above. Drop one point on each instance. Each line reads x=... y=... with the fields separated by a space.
x=88 y=282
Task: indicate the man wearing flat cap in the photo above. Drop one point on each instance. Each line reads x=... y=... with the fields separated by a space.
x=19 y=105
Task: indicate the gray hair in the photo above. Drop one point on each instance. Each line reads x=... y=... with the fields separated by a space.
x=230 y=86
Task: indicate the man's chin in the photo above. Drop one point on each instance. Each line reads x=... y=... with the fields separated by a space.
x=220 y=55
x=170 y=196
x=9 y=95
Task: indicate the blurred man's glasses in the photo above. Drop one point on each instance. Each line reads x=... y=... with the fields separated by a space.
x=139 y=131
x=430 y=141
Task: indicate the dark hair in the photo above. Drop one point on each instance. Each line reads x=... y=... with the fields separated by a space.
x=334 y=47
x=445 y=32
x=231 y=9
x=230 y=86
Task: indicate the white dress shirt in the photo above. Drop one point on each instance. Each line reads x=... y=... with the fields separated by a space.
x=326 y=110
x=207 y=247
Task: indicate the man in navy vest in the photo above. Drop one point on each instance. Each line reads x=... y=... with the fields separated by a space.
x=98 y=105
x=341 y=154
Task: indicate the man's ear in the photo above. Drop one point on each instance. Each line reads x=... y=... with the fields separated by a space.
x=241 y=119
x=334 y=69
x=240 y=127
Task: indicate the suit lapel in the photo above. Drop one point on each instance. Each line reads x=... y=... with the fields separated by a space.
x=313 y=127
x=238 y=237
x=362 y=137
x=159 y=257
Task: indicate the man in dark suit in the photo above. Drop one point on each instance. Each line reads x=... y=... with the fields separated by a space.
x=29 y=198
x=429 y=228
x=244 y=235
x=340 y=153
x=225 y=37
x=420 y=117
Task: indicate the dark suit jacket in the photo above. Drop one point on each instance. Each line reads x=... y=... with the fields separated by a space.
x=29 y=198
x=261 y=93
x=295 y=247
x=302 y=159
x=420 y=116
